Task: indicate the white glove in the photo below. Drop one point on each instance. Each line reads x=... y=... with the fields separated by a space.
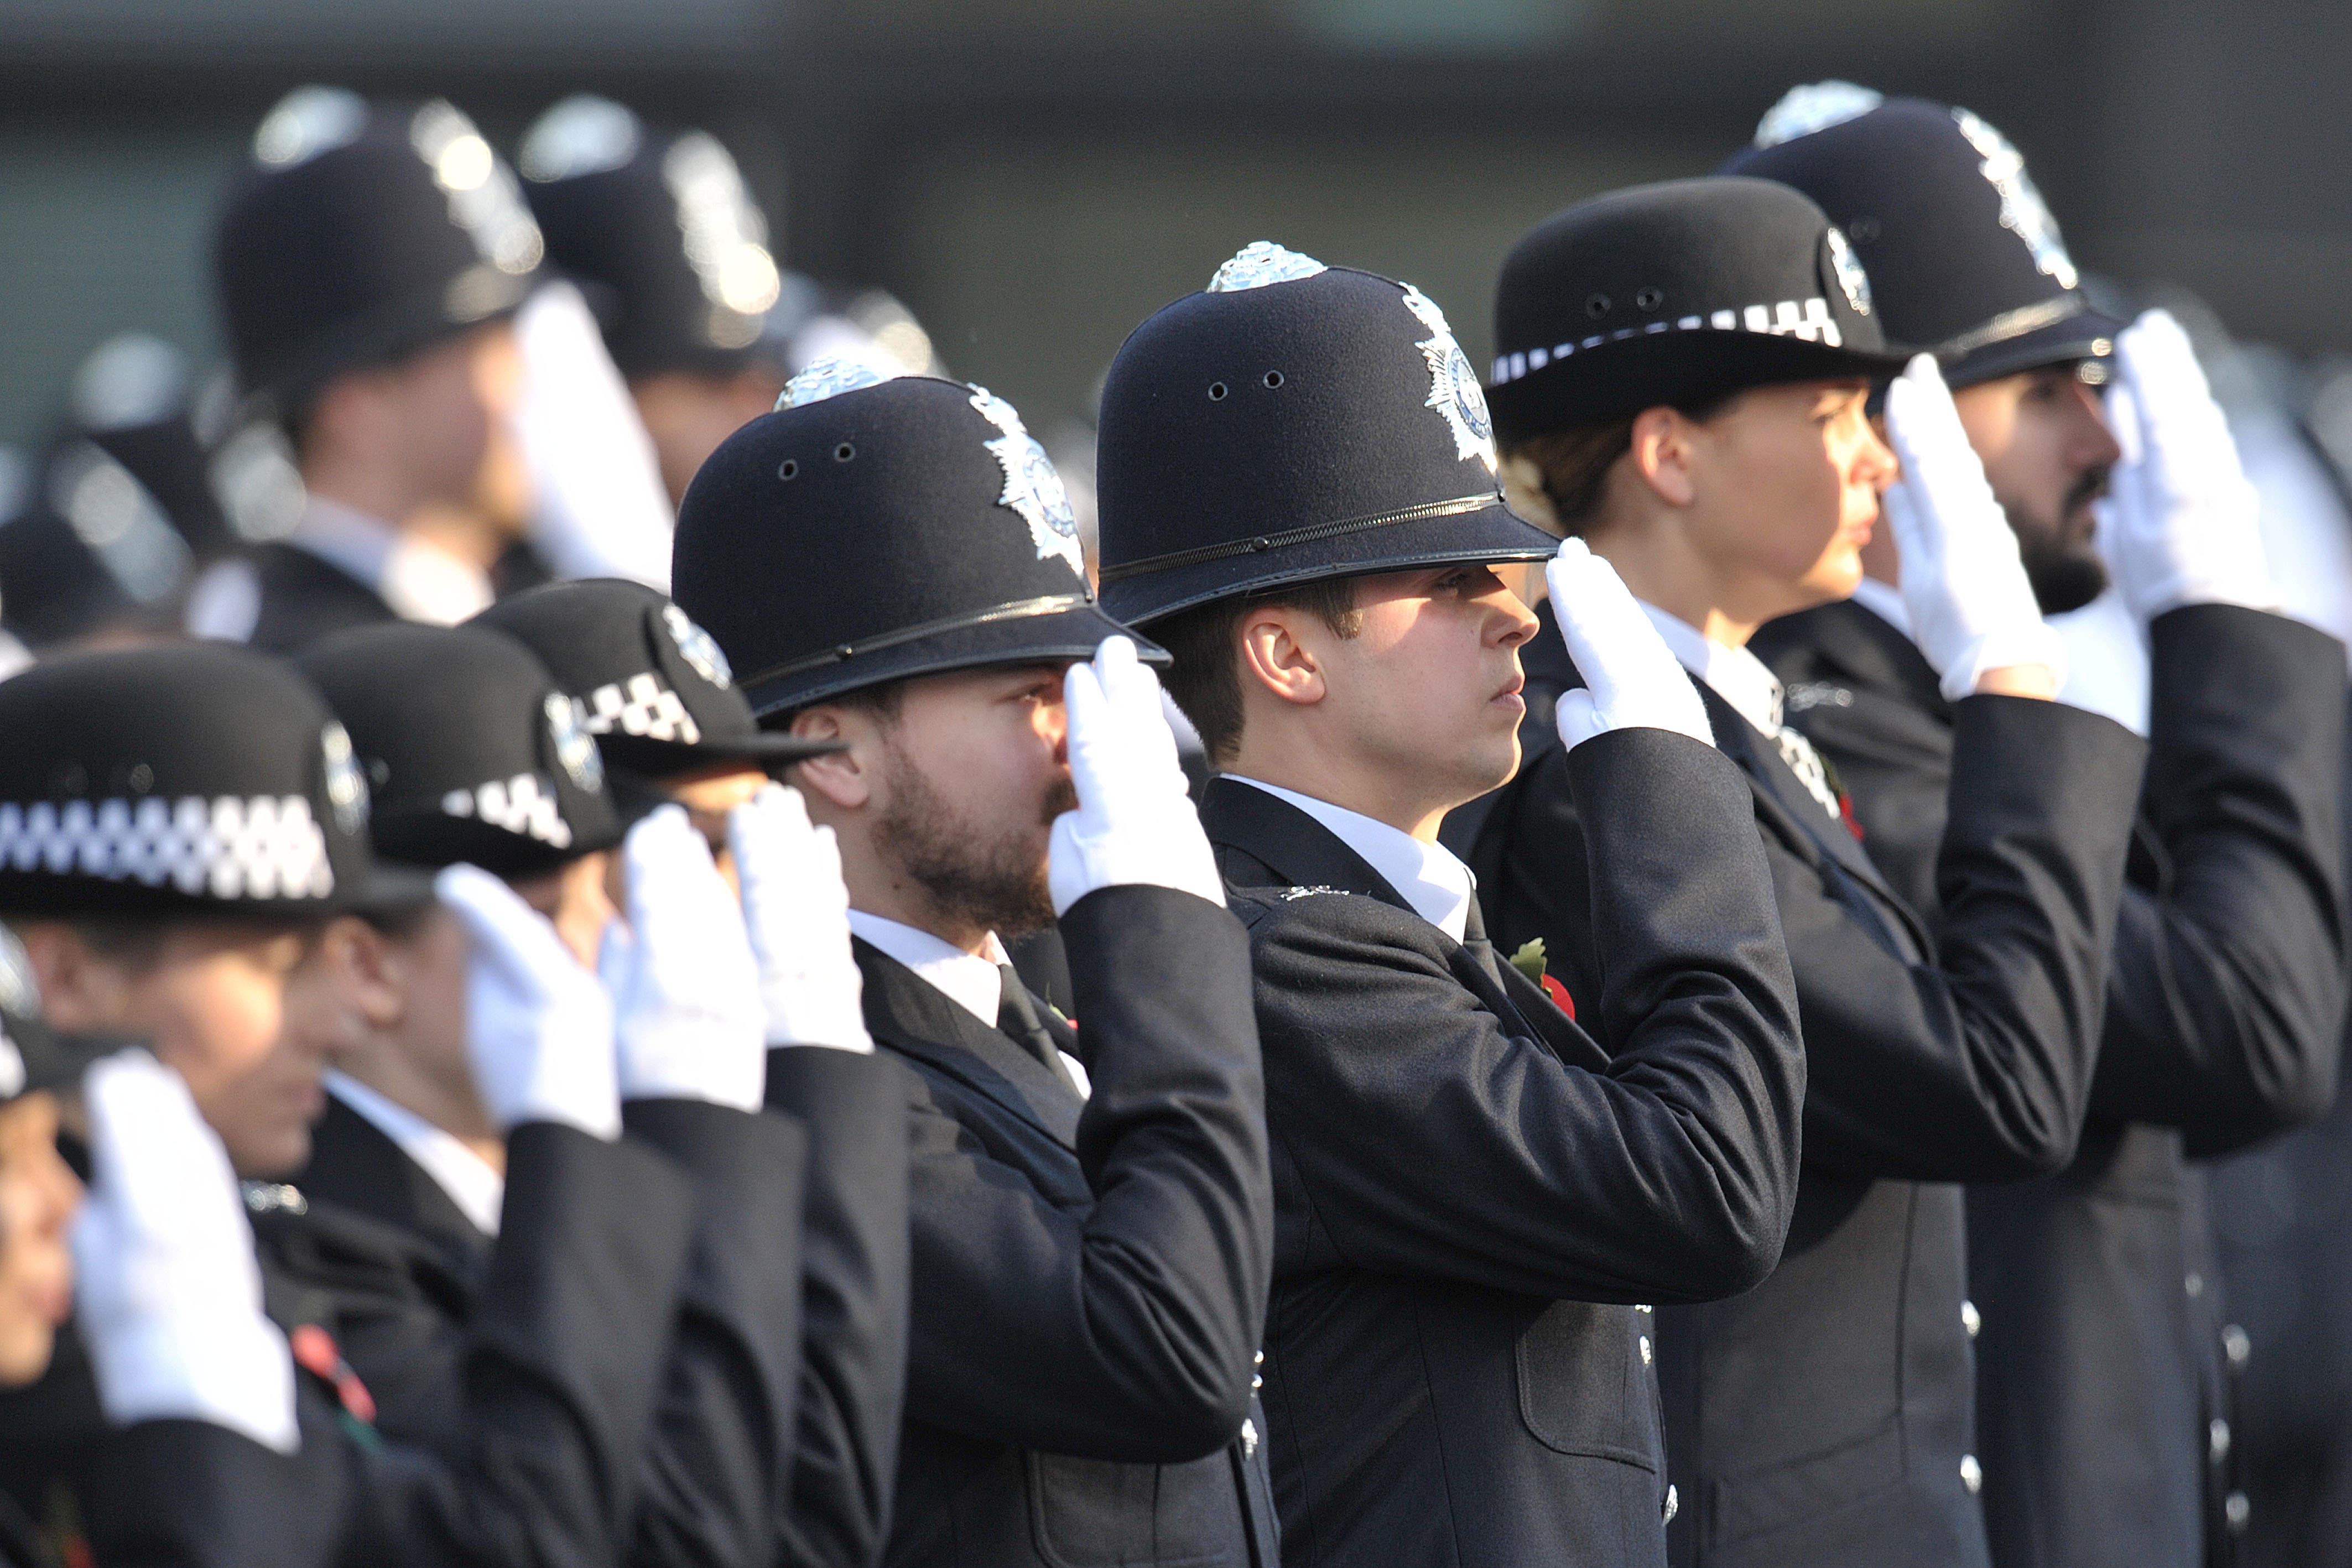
x=169 y=1294
x=1134 y=822
x=798 y=912
x=685 y=992
x=601 y=510
x=538 y=1026
x=1971 y=607
x=1632 y=679
x=2183 y=525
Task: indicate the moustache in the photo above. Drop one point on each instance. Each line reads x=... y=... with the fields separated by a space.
x=2092 y=486
x=1061 y=796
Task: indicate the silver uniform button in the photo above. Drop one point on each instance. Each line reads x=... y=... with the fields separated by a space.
x=1971 y=1472
x=2194 y=1284
x=1249 y=1438
x=1645 y=1350
x=2217 y=1439
x=1673 y=1506
x=1970 y=1319
x=2237 y=1345
x=2237 y=1510
x=1260 y=1361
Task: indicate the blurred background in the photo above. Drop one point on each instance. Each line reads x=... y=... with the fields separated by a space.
x=1033 y=177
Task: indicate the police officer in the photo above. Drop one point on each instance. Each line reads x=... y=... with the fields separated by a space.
x=1089 y=1241
x=2100 y=1410
x=1298 y=490
x=369 y=261
x=177 y=828
x=1683 y=374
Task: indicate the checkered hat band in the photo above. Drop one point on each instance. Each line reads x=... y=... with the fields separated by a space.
x=641 y=706
x=520 y=805
x=1807 y=319
x=229 y=847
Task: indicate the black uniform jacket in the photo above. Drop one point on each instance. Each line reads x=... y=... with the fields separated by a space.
x=1471 y=1193
x=1090 y=1275
x=305 y=597
x=1825 y=1417
x=2100 y=1367
x=563 y=1363
x=780 y=1326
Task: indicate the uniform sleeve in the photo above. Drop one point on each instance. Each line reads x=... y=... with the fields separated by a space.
x=1427 y=1138
x=854 y=1301
x=2224 y=1011
x=717 y=1468
x=1119 y=1323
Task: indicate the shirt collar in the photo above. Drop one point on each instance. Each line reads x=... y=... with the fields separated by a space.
x=974 y=983
x=1735 y=675
x=458 y=1171
x=421 y=581
x=1437 y=885
x=1884 y=601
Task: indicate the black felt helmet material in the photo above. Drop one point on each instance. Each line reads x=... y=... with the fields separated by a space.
x=1292 y=422
x=176 y=780
x=1676 y=293
x=354 y=235
x=474 y=752
x=1963 y=254
x=655 y=689
x=661 y=234
x=870 y=531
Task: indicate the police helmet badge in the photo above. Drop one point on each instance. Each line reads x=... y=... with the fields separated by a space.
x=1453 y=390
x=1032 y=487
x=1851 y=277
x=697 y=647
x=1260 y=262
x=2023 y=211
x=574 y=749
x=347 y=790
x=828 y=377
x=1815 y=106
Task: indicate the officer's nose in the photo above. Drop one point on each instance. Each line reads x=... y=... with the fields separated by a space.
x=2093 y=443
x=1514 y=622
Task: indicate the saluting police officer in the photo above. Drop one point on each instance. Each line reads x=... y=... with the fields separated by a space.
x=369 y=261
x=2100 y=1409
x=177 y=828
x=1297 y=488
x=1683 y=376
x=1090 y=1241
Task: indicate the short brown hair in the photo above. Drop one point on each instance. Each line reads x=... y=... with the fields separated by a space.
x=1206 y=678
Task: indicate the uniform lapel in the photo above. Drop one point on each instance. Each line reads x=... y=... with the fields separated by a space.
x=355 y=1167
x=1860 y=643
x=911 y=1014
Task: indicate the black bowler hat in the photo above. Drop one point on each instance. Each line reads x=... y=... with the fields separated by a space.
x=176 y=780
x=474 y=753
x=872 y=530
x=653 y=688
x=660 y=233
x=356 y=235
x=1676 y=293
x=1292 y=422
x=1964 y=257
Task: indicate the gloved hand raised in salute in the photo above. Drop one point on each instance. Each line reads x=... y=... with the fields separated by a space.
x=168 y=1287
x=688 y=1023
x=1972 y=609
x=1632 y=679
x=2182 y=522
x=1134 y=823
x=538 y=1027
x=797 y=909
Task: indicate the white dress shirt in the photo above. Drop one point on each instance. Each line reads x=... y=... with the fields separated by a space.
x=1735 y=675
x=1437 y=885
x=972 y=981
x=465 y=1176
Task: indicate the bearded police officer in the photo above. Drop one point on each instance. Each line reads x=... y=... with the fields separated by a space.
x=2099 y=1406
x=1090 y=1241
x=1682 y=376
x=369 y=261
x=177 y=828
x=1297 y=491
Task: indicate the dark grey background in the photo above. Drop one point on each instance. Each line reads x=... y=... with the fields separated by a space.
x=1035 y=176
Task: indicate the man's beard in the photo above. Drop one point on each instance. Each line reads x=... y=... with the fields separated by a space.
x=997 y=884
x=2061 y=557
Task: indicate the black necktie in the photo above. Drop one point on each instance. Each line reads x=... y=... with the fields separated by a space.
x=1474 y=943
x=1016 y=1017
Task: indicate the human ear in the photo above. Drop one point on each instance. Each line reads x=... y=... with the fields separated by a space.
x=371 y=971
x=80 y=993
x=845 y=779
x=1664 y=456
x=1273 y=657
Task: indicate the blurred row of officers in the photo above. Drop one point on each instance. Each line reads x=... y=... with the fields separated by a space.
x=1705 y=1071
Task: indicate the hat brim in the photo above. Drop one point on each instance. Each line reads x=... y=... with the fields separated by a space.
x=658 y=760
x=1489 y=533
x=1072 y=633
x=2086 y=335
x=1620 y=378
